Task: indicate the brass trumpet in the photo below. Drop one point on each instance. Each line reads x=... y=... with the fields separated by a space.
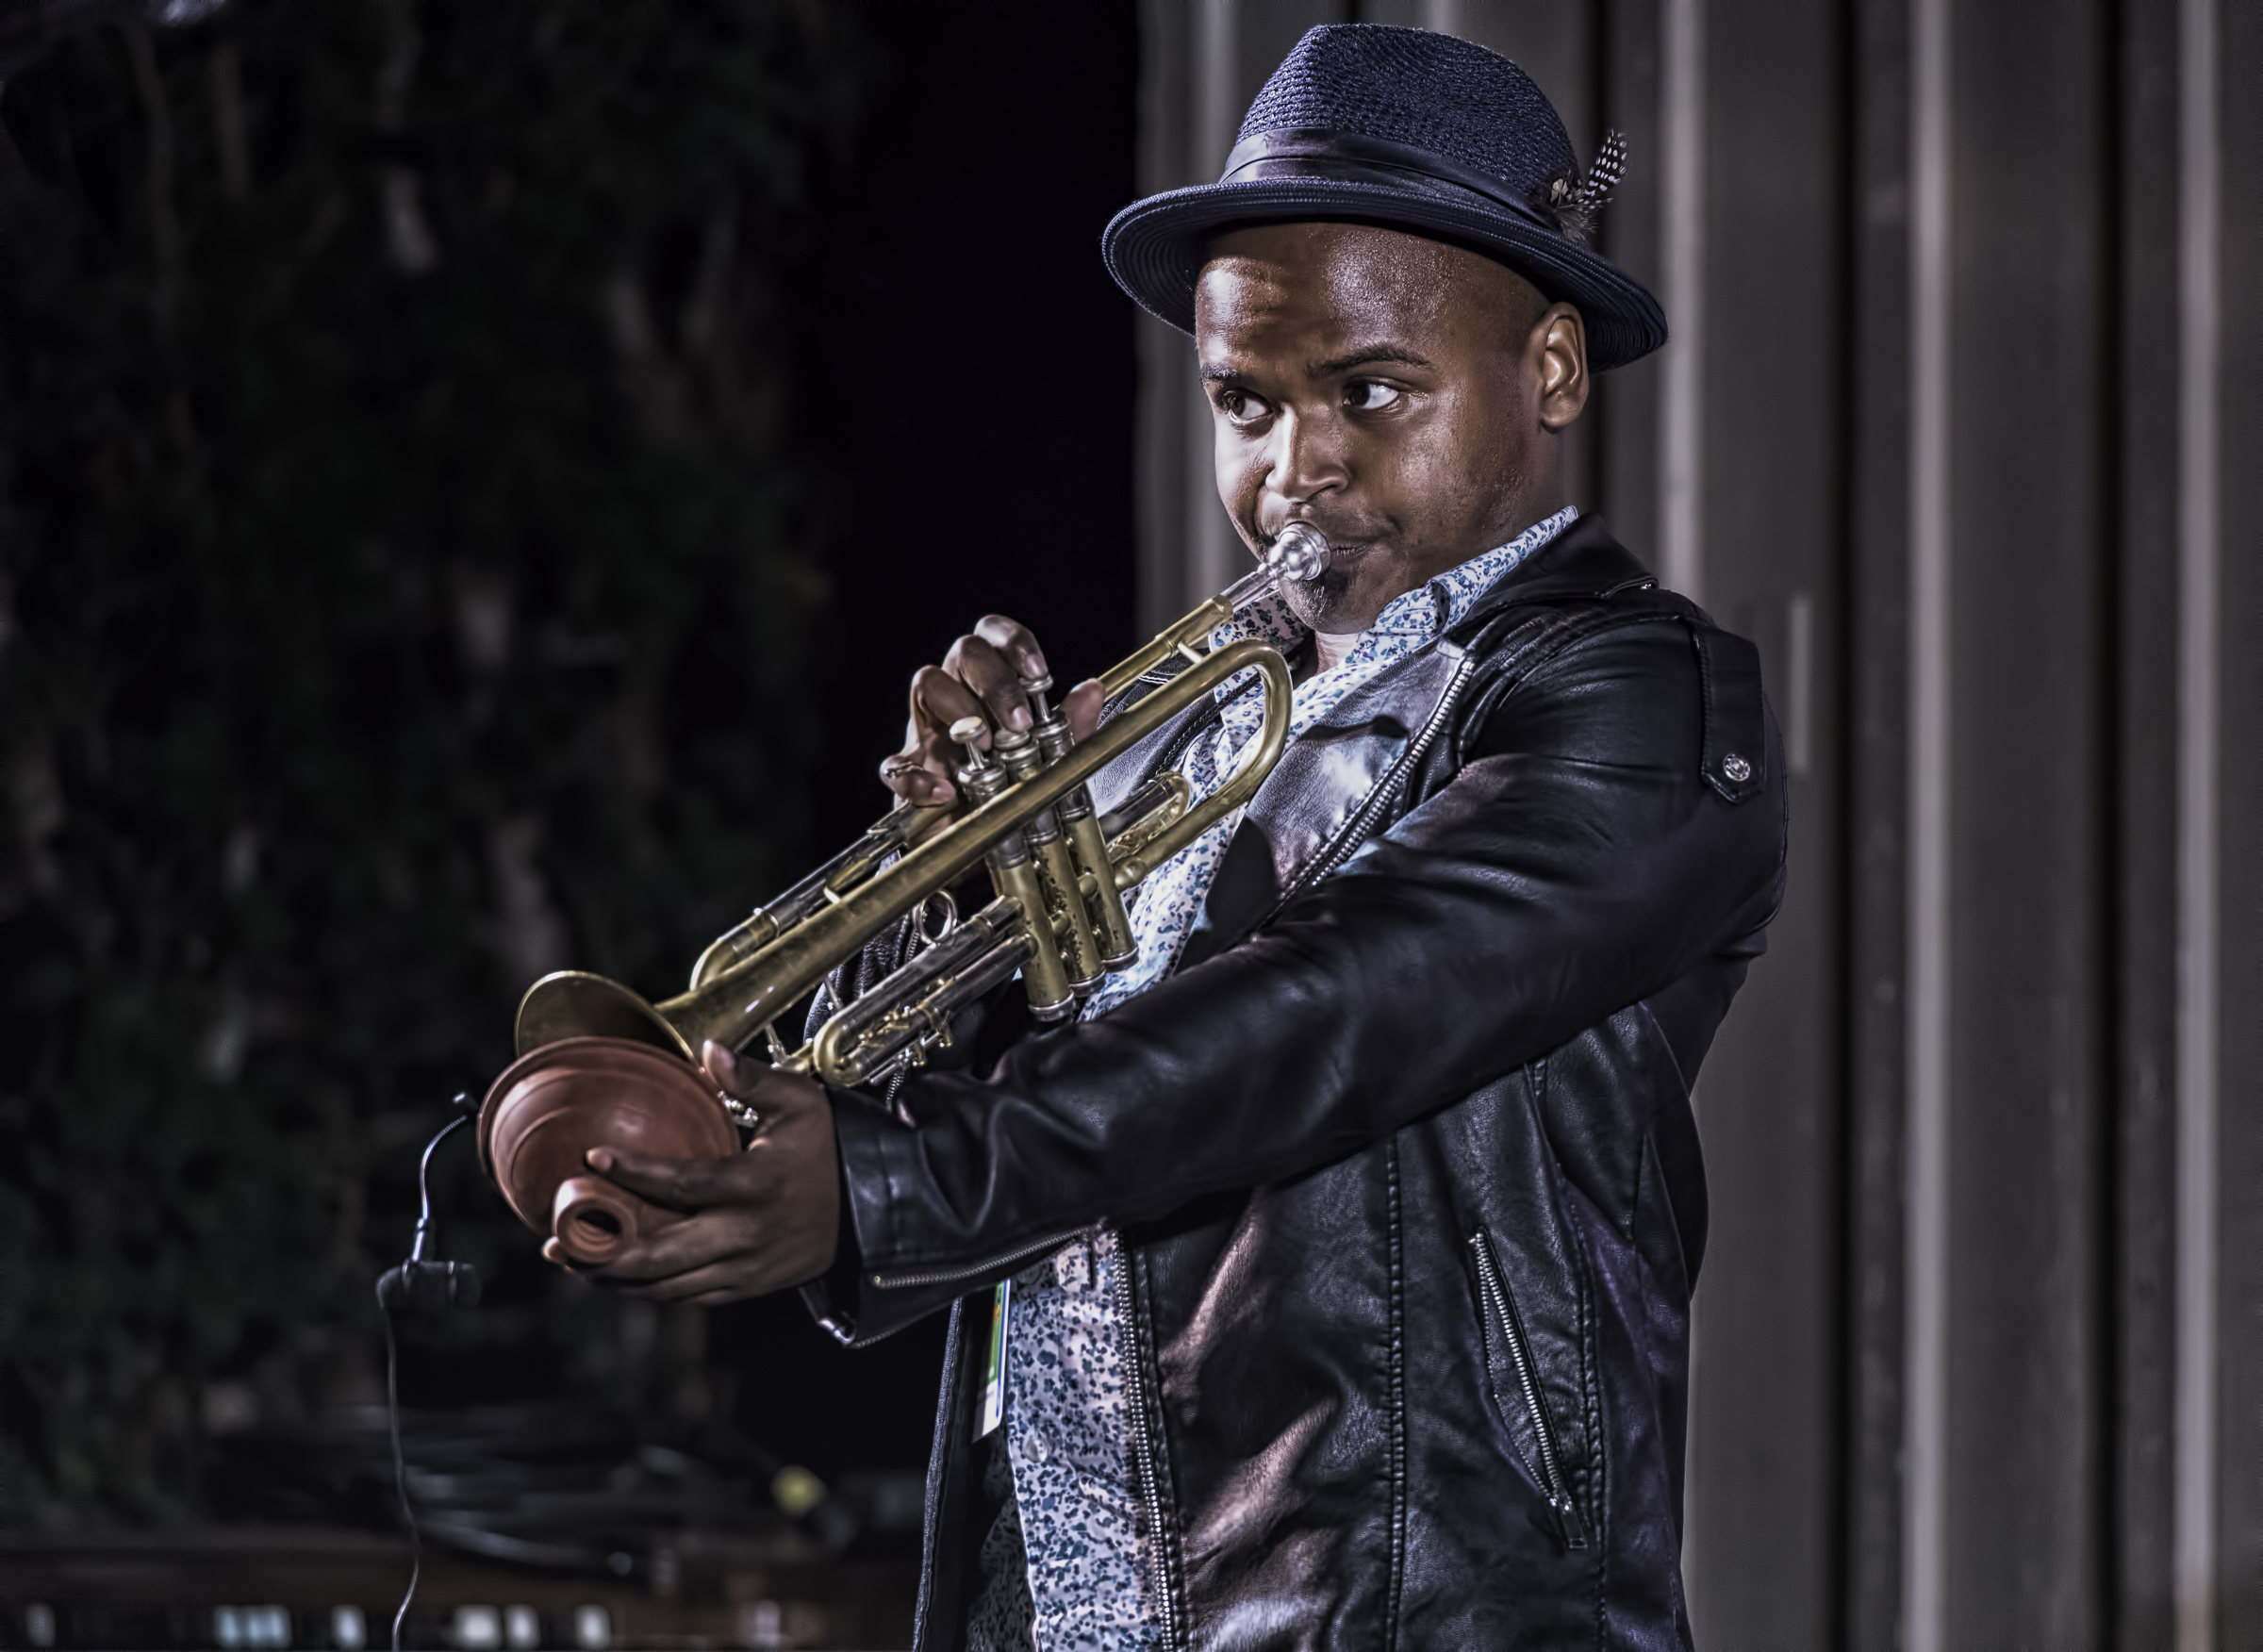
x=1058 y=875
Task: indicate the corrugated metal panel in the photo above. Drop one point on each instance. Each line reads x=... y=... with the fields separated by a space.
x=2048 y=791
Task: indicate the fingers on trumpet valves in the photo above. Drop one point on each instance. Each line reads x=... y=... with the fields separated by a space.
x=920 y=772
x=918 y=783
x=939 y=697
x=1075 y=719
x=1016 y=644
x=1082 y=705
x=989 y=666
x=1044 y=868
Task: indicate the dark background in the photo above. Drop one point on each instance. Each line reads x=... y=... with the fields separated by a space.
x=964 y=371
x=964 y=396
x=473 y=487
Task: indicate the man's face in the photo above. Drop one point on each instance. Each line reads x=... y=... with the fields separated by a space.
x=1402 y=395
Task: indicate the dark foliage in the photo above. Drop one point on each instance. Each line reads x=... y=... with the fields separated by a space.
x=400 y=595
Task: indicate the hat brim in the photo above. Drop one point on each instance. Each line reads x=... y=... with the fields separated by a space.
x=1155 y=250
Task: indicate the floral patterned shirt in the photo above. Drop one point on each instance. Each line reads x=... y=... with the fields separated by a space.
x=1074 y=1507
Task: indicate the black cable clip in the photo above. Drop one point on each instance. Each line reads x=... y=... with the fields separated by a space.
x=420 y=1284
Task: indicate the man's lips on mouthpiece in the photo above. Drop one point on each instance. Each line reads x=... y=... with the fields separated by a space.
x=1341 y=547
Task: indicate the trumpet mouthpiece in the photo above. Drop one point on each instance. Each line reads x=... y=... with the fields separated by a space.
x=1299 y=552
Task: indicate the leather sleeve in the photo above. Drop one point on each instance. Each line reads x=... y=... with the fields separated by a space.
x=1574 y=864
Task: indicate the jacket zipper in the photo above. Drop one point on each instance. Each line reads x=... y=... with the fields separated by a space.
x=1503 y=1310
x=1143 y=1448
x=1355 y=831
x=919 y=1278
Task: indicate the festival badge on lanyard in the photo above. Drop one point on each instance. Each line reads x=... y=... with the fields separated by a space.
x=994 y=1369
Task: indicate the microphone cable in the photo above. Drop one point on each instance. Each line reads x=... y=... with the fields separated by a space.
x=419 y=1283
x=408 y=1509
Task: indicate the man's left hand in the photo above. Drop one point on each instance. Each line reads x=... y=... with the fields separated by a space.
x=759 y=1221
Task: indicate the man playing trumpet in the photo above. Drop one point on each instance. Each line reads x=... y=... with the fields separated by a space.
x=1322 y=1278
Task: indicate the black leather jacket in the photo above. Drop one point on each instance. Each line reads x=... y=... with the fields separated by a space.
x=1402 y=1156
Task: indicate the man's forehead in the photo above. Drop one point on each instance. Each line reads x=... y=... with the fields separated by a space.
x=1333 y=265
x=1319 y=292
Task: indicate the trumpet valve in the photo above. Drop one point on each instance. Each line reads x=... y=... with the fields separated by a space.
x=978 y=774
x=1017 y=751
x=968 y=731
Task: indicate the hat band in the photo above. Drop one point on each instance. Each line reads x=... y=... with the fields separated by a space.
x=1320 y=152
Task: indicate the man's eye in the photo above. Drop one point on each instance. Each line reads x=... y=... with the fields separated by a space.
x=1240 y=407
x=1366 y=396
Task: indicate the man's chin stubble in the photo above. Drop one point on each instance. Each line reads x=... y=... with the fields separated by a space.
x=1322 y=605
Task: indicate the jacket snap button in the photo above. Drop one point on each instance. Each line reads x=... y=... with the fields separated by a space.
x=1736 y=768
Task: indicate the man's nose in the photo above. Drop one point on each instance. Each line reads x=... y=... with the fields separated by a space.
x=1307 y=460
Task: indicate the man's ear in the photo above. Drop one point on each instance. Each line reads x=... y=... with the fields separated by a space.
x=1560 y=338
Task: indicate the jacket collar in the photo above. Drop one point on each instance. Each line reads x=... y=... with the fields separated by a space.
x=1583 y=562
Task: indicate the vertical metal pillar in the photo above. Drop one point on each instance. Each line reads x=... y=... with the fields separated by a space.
x=1682 y=364
x=1926 y=1259
x=2198 y=884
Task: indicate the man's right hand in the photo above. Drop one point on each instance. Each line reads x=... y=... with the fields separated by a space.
x=981 y=676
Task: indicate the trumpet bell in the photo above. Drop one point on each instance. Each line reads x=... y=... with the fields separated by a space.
x=573 y=1003
x=552 y=1105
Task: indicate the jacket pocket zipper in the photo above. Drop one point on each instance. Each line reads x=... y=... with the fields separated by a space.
x=919 y=1278
x=1501 y=1308
x=1355 y=831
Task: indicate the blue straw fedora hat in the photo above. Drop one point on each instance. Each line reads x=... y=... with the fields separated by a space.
x=1411 y=131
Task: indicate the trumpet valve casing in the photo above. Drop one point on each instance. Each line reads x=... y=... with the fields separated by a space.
x=1013 y=875
x=1064 y=904
x=1113 y=945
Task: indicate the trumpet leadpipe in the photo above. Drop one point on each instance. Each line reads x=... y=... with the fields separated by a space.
x=1297 y=554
